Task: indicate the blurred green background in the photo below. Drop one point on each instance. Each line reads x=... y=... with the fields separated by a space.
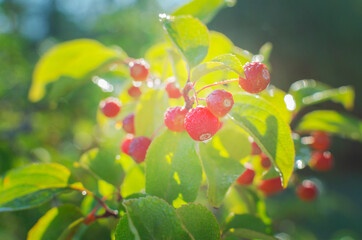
x=311 y=39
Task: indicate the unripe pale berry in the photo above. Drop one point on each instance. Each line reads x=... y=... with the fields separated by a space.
x=321 y=161
x=220 y=102
x=201 y=124
x=139 y=69
x=134 y=92
x=128 y=124
x=257 y=77
x=138 y=148
x=247 y=177
x=307 y=191
x=174 y=118
x=125 y=144
x=265 y=161
x=172 y=90
x=255 y=149
x=110 y=107
x=271 y=186
x=321 y=141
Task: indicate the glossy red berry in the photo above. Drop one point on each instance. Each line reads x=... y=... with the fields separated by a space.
x=321 y=161
x=201 y=124
x=174 y=118
x=172 y=90
x=265 y=161
x=125 y=144
x=271 y=186
x=255 y=149
x=220 y=102
x=139 y=69
x=247 y=177
x=257 y=77
x=134 y=92
x=110 y=107
x=128 y=124
x=321 y=141
x=307 y=191
x=138 y=148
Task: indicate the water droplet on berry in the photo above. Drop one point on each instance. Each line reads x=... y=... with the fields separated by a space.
x=266 y=74
x=84 y=193
x=227 y=102
x=205 y=136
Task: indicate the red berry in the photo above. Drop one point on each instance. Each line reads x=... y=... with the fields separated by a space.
x=134 y=92
x=172 y=90
x=139 y=69
x=138 y=148
x=265 y=161
x=128 y=124
x=247 y=177
x=125 y=144
x=321 y=161
x=307 y=191
x=220 y=102
x=257 y=77
x=110 y=107
x=201 y=124
x=321 y=140
x=255 y=149
x=271 y=186
x=174 y=118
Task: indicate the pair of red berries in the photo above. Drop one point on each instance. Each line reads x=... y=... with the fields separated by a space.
x=265 y=161
x=139 y=70
x=321 y=160
x=201 y=122
x=134 y=147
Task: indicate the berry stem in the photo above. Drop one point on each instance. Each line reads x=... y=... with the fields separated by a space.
x=189 y=102
x=217 y=83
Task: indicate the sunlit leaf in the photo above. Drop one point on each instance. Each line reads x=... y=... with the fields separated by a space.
x=269 y=130
x=32 y=185
x=189 y=35
x=205 y=10
x=199 y=222
x=153 y=218
x=221 y=172
x=123 y=232
x=333 y=122
x=308 y=92
x=57 y=224
x=73 y=59
x=265 y=51
x=247 y=221
x=172 y=167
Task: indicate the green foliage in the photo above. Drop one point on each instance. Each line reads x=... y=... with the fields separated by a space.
x=205 y=10
x=269 y=130
x=57 y=223
x=74 y=59
x=204 y=226
x=246 y=221
x=173 y=168
x=32 y=185
x=344 y=125
x=189 y=35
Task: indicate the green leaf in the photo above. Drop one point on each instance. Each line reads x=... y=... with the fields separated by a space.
x=172 y=167
x=32 y=185
x=278 y=99
x=302 y=152
x=250 y=234
x=199 y=222
x=153 y=218
x=123 y=232
x=333 y=122
x=221 y=172
x=243 y=55
x=55 y=222
x=219 y=45
x=246 y=221
x=308 y=92
x=189 y=35
x=223 y=62
x=151 y=107
x=205 y=10
x=75 y=59
x=103 y=163
x=265 y=51
x=269 y=130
